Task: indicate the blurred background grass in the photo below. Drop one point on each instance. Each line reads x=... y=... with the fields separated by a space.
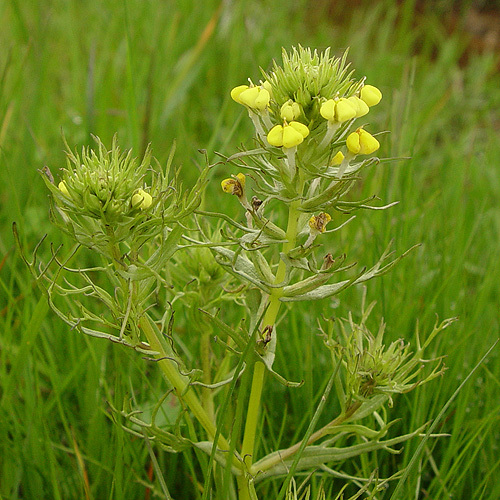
x=161 y=71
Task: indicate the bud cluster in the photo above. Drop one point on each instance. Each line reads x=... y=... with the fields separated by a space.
x=106 y=197
x=107 y=186
x=372 y=368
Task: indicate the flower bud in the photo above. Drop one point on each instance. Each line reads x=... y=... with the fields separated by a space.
x=337 y=159
x=362 y=142
x=141 y=199
x=370 y=95
x=63 y=188
x=266 y=85
x=290 y=111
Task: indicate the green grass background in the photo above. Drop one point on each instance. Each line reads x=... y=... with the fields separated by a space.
x=158 y=71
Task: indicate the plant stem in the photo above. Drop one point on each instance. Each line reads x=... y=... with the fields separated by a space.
x=244 y=488
x=206 y=393
x=270 y=317
x=179 y=382
x=276 y=458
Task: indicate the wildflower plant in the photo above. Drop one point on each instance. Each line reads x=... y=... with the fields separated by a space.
x=160 y=252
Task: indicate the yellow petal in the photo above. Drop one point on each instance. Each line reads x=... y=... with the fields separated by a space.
x=235 y=186
x=318 y=222
x=291 y=136
x=360 y=106
x=371 y=95
x=368 y=143
x=275 y=136
x=290 y=110
x=242 y=179
x=248 y=96
x=344 y=110
x=235 y=93
x=352 y=143
x=63 y=188
x=327 y=110
x=266 y=85
x=337 y=159
x=262 y=99
x=300 y=128
x=141 y=199
x=228 y=185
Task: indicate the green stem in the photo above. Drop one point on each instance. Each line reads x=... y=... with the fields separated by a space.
x=179 y=382
x=284 y=454
x=206 y=393
x=270 y=317
x=244 y=488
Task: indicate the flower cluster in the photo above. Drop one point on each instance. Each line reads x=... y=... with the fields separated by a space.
x=109 y=186
x=106 y=197
x=313 y=100
x=305 y=113
x=373 y=371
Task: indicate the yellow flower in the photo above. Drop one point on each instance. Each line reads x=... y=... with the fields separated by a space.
x=252 y=97
x=141 y=199
x=340 y=110
x=318 y=223
x=344 y=110
x=234 y=185
x=371 y=95
x=63 y=188
x=289 y=135
x=362 y=142
x=337 y=159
